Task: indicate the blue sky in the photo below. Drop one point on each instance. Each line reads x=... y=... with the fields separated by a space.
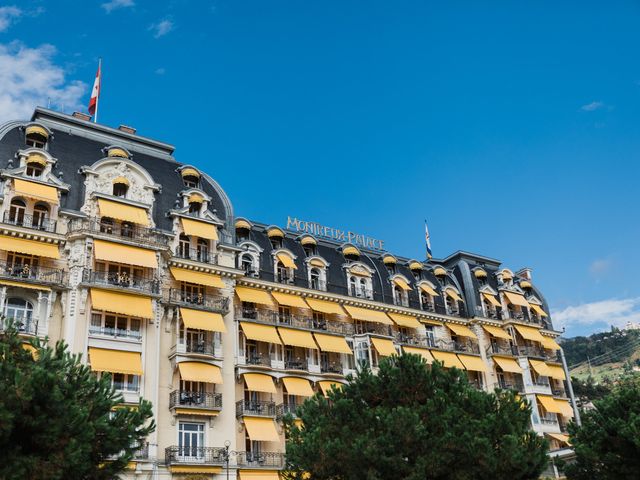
x=513 y=127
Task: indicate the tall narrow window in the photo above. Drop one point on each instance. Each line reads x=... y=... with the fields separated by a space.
x=16 y=211
x=184 y=246
x=34 y=169
x=40 y=213
x=203 y=250
x=315 y=279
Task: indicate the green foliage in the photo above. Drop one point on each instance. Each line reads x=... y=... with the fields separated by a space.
x=587 y=390
x=56 y=418
x=579 y=349
x=607 y=445
x=414 y=423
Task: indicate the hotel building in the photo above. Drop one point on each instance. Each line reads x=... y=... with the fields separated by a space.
x=226 y=324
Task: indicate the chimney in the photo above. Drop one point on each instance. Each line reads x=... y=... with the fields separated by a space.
x=82 y=116
x=524 y=274
x=125 y=129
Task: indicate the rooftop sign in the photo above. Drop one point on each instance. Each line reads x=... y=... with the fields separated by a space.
x=330 y=233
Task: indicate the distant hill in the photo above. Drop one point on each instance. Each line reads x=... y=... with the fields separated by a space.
x=602 y=354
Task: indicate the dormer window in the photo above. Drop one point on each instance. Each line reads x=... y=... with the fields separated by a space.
x=34 y=169
x=275 y=235
x=309 y=245
x=190 y=178
x=314 y=279
x=194 y=207
x=36 y=136
x=276 y=242
x=427 y=297
x=120 y=188
x=246 y=263
x=284 y=267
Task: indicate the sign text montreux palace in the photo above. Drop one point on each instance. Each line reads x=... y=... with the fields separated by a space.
x=330 y=233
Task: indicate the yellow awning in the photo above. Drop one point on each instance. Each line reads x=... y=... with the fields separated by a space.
x=516 y=299
x=540 y=367
x=259 y=382
x=199 y=229
x=115 y=361
x=30 y=247
x=190 y=172
x=253 y=295
x=461 y=330
x=286 y=260
x=201 y=320
x=415 y=265
x=556 y=371
x=259 y=475
x=439 y=271
x=289 y=300
x=472 y=363
x=37 y=129
x=315 y=262
x=449 y=359
x=261 y=429
x=326 y=385
x=195 y=198
x=275 y=232
x=298 y=386
x=497 y=332
x=491 y=299
x=529 y=333
x=308 y=240
x=200 y=372
x=403 y=320
x=561 y=437
x=549 y=404
x=423 y=352
x=37 y=159
x=367 y=315
x=36 y=191
x=116 y=302
x=123 y=212
x=351 y=251
x=538 y=310
x=122 y=180
x=332 y=343
x=429 y=290
x=243 y=224
x=565 y=407
x=117 y=152
x=26 y=285
x=453 y=295
x=297 y=338
x=389 y=260
x=402 y=284
x=550 y=343
x=383 y=346
x=205 y=469
x=507 y=364
x=199 y=278
x=119 y=253
x=325 y=306
x=260 y=333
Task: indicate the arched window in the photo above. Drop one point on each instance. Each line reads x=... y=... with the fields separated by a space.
x=191 y=181
x=398 y=295
x=120 y=189
x=315 y=278
x=34 y=169
x=184 y=246
x=16 y=211
x=194 y=207
x=40 y=214
x=353 y=284
x=35 y=139
x=203 y=250
x=246 y=263
x=19 y=310
x=282 y=273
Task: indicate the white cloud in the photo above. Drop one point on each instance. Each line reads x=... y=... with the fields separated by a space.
x=28 y=78
x=600 y=266
x=616 y=312
x=161 y=28
x=592 y=107
x=116 y=4
x=8 y=15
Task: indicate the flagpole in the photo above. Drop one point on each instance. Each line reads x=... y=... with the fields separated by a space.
x=95 y=117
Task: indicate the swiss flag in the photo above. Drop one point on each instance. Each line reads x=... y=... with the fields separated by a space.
x=95 y=93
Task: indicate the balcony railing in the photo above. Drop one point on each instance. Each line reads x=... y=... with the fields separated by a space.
x=142 y=453
x=296 y=364
x=530 y=351
x=201 y=400
x=24 y=324
x=499 y=349
x=260 y=459
x=255 y=408
x=287 y=409
x=361 y=292
x=415 y=340
x=515 y=384
x=126 y=231
x=375 y=328
x=463 y=346
x=115 y=332
x=25 y=271
x=197 y=255
x=201 y=455
x=145 y=284
x=331 y=367
x=215 y=303
x=258 y=359
x=296 y=321
x=35 y=222
x=205 y=347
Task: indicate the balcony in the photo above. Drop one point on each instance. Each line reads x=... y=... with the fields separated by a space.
x=35 y=222
x=274 y=460
x=201 y=401
x=127 y=231
x=115 y=333
x=195 y=455
x=30 y=273
x=524 y=316
x=255 y=408
x=334 y=368
x=258 y=359
x=197 y=255
x=207 y=346
x=361 y=292
x=298 y=364
x=537 y=352
x=461 y=346
x=143 y=284
x=26 y=325
x=511 y=384
x=215 y=303
x=363 y=328
x=499 y=349
x=424 y=341
x=287 y=409
x=295 y=321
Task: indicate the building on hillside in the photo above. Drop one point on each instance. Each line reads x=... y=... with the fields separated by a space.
x=226 y=324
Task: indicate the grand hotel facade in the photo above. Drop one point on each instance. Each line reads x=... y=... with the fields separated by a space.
x=226 y=324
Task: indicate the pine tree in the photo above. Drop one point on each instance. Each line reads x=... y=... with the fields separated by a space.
x=414 y=422
x=58 y=420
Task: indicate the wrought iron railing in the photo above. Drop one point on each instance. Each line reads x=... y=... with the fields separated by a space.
x=216 y=303
x=125 y=231
x=142 y=452
x=514 y=384
x=25 y=271
x=295 y=321
x=296 y=364
x=415 y=340
x=201 y=455
x=495 y=348
x=145 y=284
x=258 y=359
x=331 y=367
x=375 y=328
x=36 y=222
x=258 y=407
x=197 y=255
x=205 y=347
x=260 y=459
x=24 y=324
x=115 y=332
x=203 y=400
x=287 y=409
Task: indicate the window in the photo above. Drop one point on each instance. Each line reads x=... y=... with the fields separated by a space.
x=184 y=246
x=309 y=250
x=118 y=274
x=120 y=189
x=106 y=225
x=194 y=207
x=192 y=293
x=35 y=140
x=417 y=274
x=191 y=441
x=112 y=325
x=203 y=250
x=431 y=339
x=391 y=268
x=452 y=306
x=40 y=213
x=315 y=279
x=21 y=311
x=20 y=265
x=283 y=274
x=34 y=170
x=284 y=315
x=191 y=181
x=125 y=382
x=16 y=211
x=246 y=263
x=426 y=301
x=242 y=234
x=400 y=296
x=360 y=287
x=276 y=242
x=319 y=320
